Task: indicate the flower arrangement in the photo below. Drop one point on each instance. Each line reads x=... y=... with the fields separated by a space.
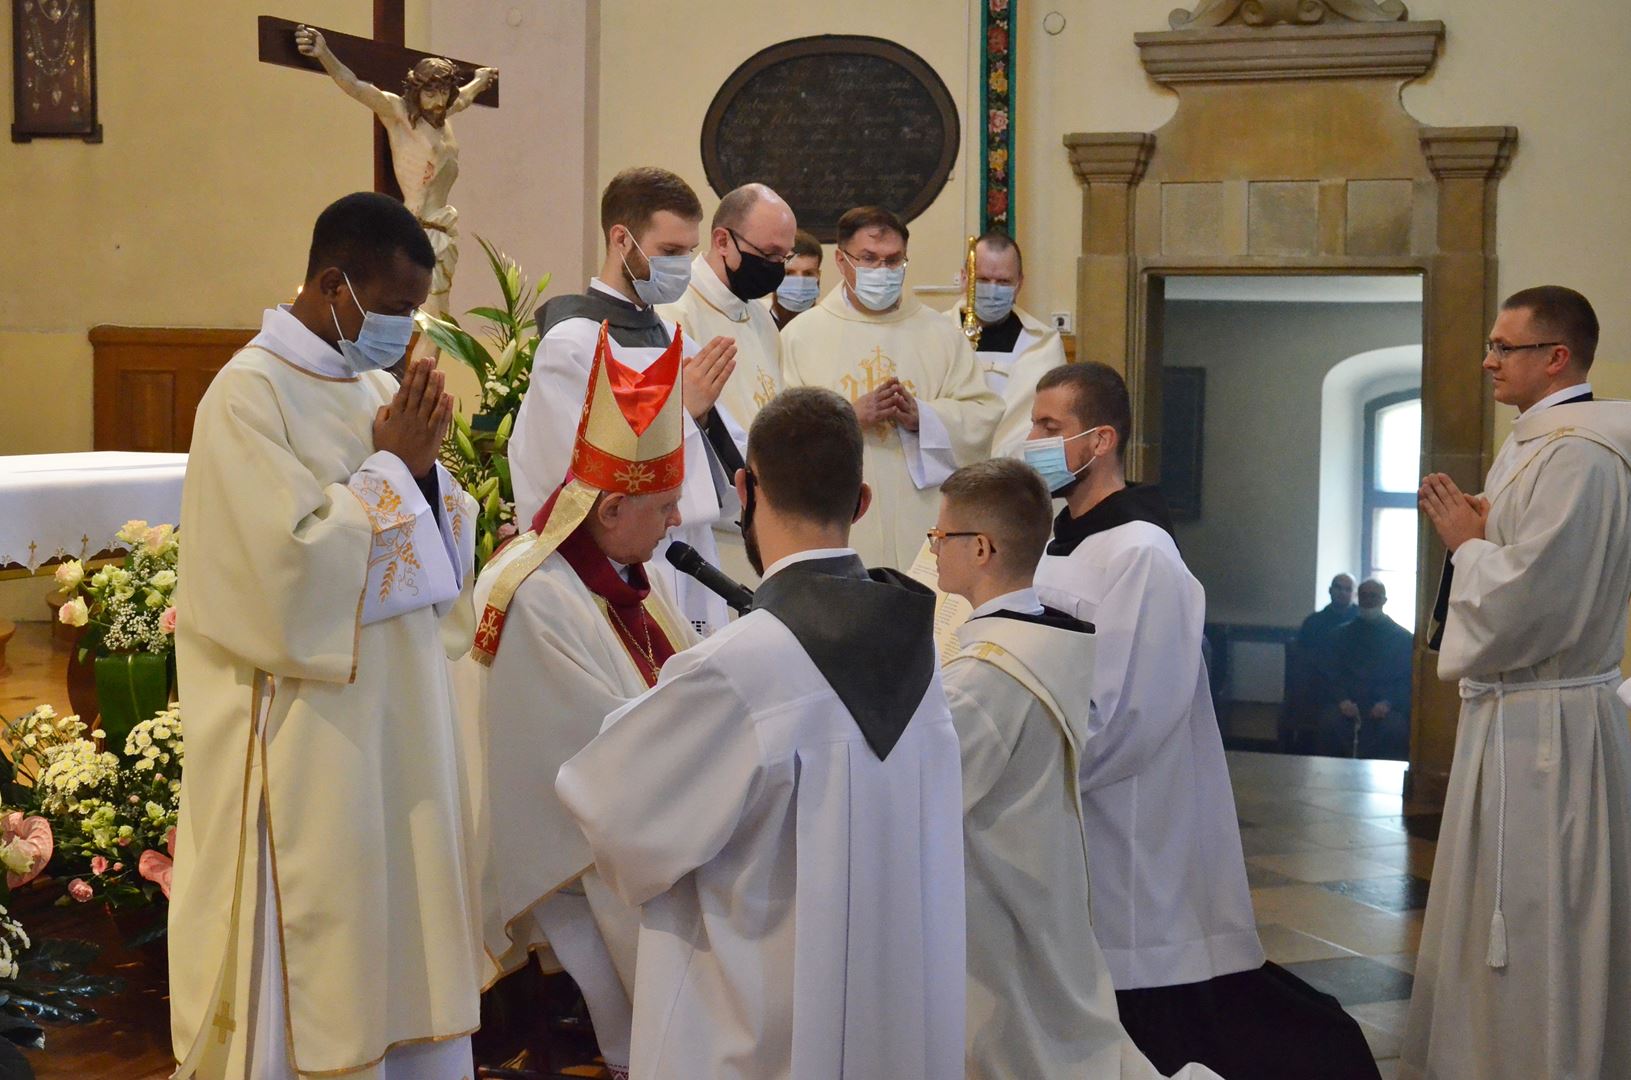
x=474 y=450
x=107 y=819
x=127 y=607
x=128 y=611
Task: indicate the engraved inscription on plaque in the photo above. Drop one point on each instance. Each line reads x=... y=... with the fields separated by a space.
x=833 y=122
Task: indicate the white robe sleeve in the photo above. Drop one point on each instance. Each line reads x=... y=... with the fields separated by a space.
x=547 y=422
x=1148 y=630
x=409 y=564
x=984 y=749
x=1515 y=604
x=930 y=456
x=663 y=787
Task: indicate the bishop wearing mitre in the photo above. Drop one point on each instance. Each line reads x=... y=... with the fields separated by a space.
x=572 y=628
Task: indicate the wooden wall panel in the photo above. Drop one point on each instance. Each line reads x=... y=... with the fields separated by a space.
x=148 y=382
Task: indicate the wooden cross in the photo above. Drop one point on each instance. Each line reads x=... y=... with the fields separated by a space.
x=382 y=60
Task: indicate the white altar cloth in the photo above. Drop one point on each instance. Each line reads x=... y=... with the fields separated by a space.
x=71 y=505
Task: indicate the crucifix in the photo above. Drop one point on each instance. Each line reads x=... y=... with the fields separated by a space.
x=416 y=157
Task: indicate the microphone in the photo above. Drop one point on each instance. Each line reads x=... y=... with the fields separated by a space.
x=686 y=560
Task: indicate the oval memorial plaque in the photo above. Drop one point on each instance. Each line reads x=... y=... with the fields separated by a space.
x=833 y=122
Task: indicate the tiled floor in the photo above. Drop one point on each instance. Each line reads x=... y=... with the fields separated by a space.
x=1338 y=865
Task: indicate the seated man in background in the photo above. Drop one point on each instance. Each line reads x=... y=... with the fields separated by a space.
x=1309 y=674
x=1371 y=661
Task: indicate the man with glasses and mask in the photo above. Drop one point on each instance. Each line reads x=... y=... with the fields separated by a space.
x=324 y=837
x=910 y=374
x=1015 y=347
x=1171 y=906
x=650 y=219
x=1525 y=965
x=748 y=250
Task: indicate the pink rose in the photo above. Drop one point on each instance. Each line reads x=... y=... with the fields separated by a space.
x=123 y=841
x=32 y=834
x=79 y=890
x=74 y=612
x=99 y=865
x=167 y=621
x=118 y=868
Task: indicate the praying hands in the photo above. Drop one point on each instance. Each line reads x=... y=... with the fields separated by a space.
x=1457 y=516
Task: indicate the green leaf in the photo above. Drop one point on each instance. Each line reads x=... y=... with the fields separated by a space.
x=501 y=265
x=501 y=466
x=498 y=315
x=451 y=338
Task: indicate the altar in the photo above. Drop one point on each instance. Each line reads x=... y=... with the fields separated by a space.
x=69 y=506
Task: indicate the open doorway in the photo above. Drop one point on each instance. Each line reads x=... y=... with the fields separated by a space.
x=1290 y=450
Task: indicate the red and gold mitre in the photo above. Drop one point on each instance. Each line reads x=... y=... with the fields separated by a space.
x=631 y=441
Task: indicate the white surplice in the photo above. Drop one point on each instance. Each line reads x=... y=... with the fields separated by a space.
x=1014 y=375
x=322 y=849
x=839 y=346
x=1040 y=999
x=1170 y=900
x=547 y=424
x=1525 y=964
x=803 y=900
x=560 y=670
x=708 y=310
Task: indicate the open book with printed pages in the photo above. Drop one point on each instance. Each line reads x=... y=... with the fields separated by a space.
x=950 y=611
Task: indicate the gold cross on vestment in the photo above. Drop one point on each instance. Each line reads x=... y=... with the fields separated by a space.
x=985 y=650
x=223 y=1022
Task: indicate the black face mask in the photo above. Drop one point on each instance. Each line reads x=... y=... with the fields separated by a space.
x=755 y=276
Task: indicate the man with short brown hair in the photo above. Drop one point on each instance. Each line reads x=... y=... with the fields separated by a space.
x=801 y=288
x=1525 y=965
x=783 y=808
x=1171 y=905
x=650 y=220
x=1021 y=696
x=909 y=373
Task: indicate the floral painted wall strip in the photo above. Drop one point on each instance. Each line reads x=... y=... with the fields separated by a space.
x=997 y=81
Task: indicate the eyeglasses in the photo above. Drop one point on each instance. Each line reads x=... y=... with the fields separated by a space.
x=937 y=535
x=872 y=262
x=759 y=251
x=1502 y=350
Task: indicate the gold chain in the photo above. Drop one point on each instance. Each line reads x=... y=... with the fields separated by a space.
x=650 y=652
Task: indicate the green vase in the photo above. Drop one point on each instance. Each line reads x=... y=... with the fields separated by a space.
x=130 y=688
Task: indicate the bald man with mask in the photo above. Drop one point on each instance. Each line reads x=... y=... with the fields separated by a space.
x=749 y=243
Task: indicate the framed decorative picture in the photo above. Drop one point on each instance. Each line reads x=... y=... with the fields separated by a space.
x=53 y=70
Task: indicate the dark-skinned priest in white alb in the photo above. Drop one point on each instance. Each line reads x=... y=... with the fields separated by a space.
x=322 y=922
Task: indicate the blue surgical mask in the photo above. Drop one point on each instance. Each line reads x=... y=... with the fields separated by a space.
x=381 y=341
x=798 y=293
x=878 y=287
x=670 y=274
x=1047 y=456
x=993 y=302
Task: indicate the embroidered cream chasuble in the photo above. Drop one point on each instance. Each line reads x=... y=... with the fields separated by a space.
x=322 y=755
x=842 y=348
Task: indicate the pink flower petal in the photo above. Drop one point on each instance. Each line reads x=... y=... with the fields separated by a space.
x=99 y=865
x=79 y=890
x=157 y=868
x=33 y=834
